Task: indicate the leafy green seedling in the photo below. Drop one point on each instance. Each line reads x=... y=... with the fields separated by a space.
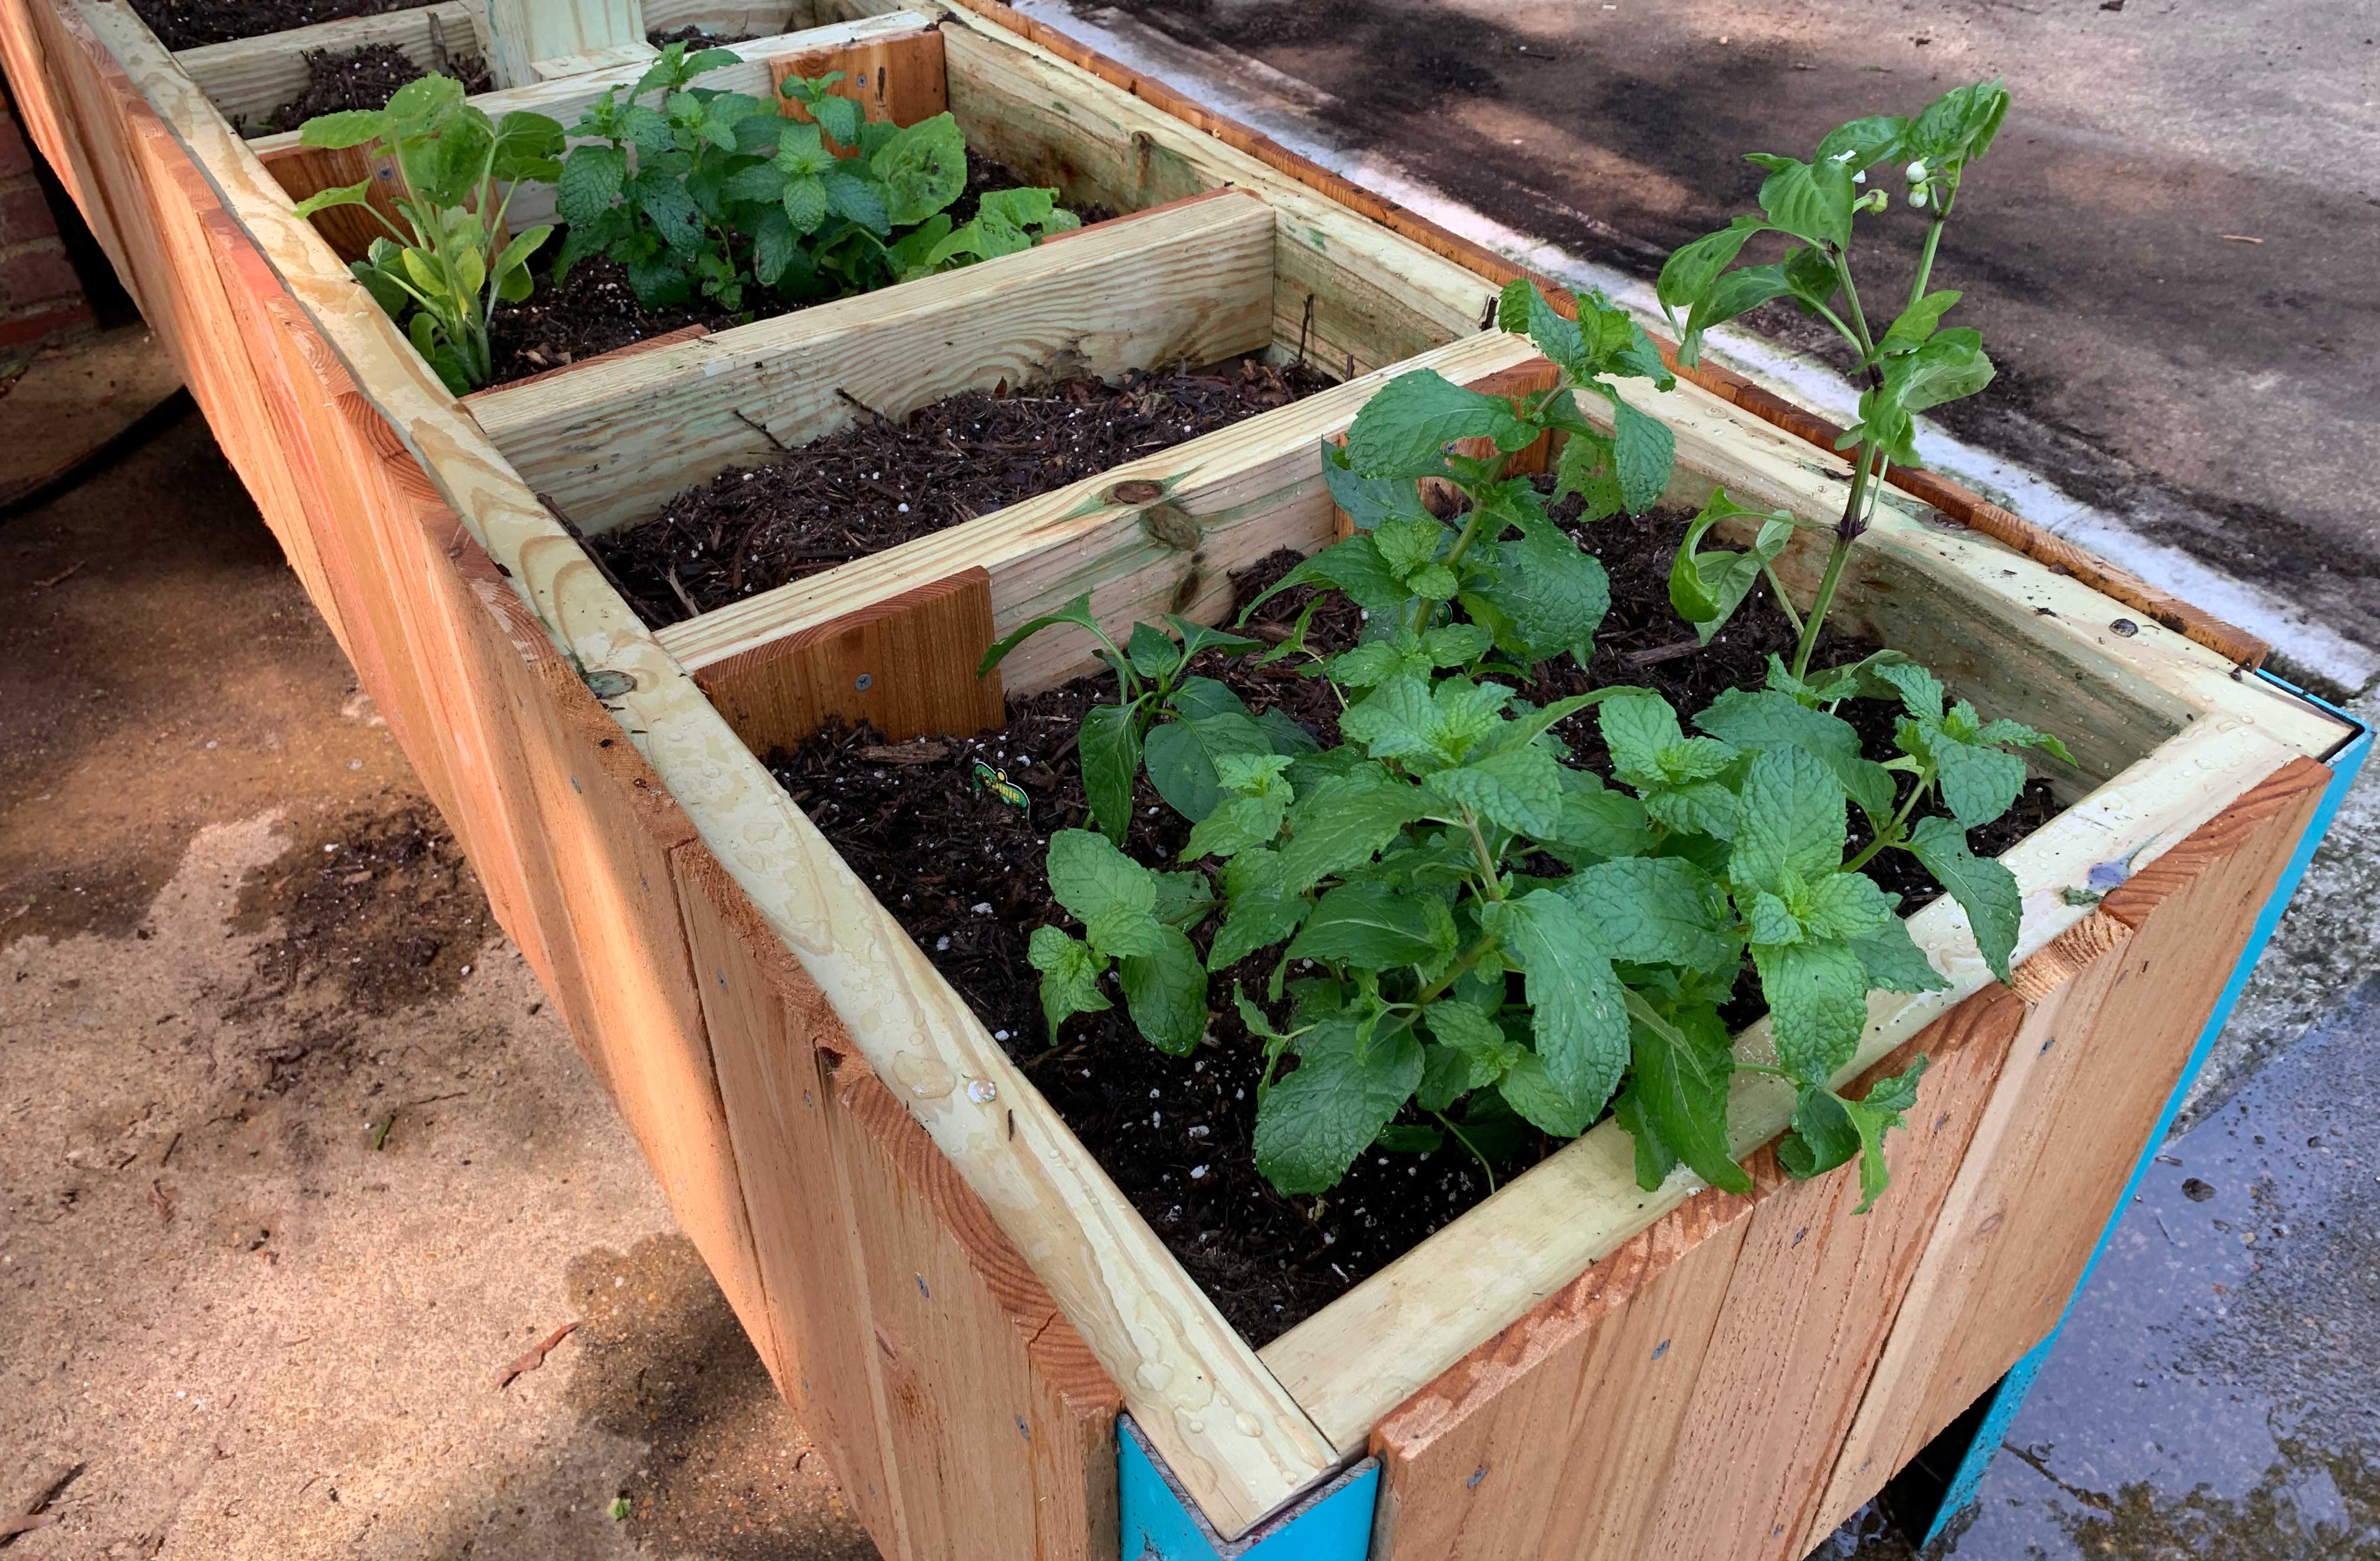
x=443 y=272
x=1915 y=363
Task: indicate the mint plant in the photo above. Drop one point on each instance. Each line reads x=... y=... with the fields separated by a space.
x=441 y=275
x=724 y=195
x=1453 y=918
x=1915 y=363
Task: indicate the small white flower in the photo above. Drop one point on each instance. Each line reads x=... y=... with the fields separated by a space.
x=1859 y=177
x=1916 y=172
x=1917 y=199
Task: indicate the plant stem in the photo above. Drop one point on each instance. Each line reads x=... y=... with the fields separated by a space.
x=1890 y=833
x=1488 y=885
x=1845 y=536
x=1460 y=968
x=1783 y=601
x=1485 y=1168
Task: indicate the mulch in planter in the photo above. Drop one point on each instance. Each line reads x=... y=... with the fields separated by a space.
x=595 y=310
x=364 y=78
x=964 y=872
x=878 y=483
x=187 y=24
x=695 y=38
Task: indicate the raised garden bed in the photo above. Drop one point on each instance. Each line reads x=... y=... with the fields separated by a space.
x=940 y=1273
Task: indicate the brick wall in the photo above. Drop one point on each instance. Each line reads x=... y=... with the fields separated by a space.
x=39 y=297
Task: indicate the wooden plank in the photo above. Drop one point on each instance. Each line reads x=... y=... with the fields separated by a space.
x=249 y=78
x=896 y=79
x=1521 y=1448
x=620 y=437
x=302 y=172
x=523 y=32
x=1234 y=1434
x=905 y=666
x=2041 y=1185
x=735 y=18
x=1242 y=491
x=964 y=1414
x=633 y=53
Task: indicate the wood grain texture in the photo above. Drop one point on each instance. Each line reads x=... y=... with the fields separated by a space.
x=966 y=1416
x=905 y=666
x=1230 y=497
x=620 y=436
x=521 y=33
x=895 y=79
x=249 y=78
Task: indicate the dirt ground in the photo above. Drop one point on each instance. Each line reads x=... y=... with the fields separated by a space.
x=293 y=1158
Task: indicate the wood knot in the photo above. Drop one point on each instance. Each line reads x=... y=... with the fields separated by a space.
x=1135 y=490
x=1169 y=527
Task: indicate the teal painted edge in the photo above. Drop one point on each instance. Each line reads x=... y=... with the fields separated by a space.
x=2007 y=1396
x=1161 y=1522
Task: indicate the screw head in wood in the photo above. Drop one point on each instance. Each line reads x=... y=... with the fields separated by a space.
x=864 y=681
x=2125 y=627
x=609 y=684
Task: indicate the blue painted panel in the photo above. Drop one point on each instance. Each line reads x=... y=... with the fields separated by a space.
x=1161 y=1522
x=2008 y=1396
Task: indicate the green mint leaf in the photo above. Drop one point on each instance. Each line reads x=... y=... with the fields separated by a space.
x=1654 y=910
x=1828 y=1130
x=1407 y=544
x=1589 y=466
x=1343 y=822
x=1580 y=1020
x=1091 y=879
x=1546 y=594
x=1703 y=809
x=591 y=180
x=1410 y=1138
x=1637 y=727
x=1526 y=311
x=922 y=168
x=1818 y=1003
x=1368 y=501
x=2016 y=733
x=1644 y=450
x=1184 y=899
x=1847 y=905
x=1596 y=822
x=1313 y=1123
x=1403 y=429
x=350 y=127
x=1822 y=1137
x=1679 y=1087
x=1978 y=783
x=856 y=201
x=1895 y=963
x=1922 y=692
x=1984 y=889
x=1070 y=976
x=1371 y=927
x=1236 y=824
x=1655 y=1159
x=1258 y=912
x=1771 y=920
x=1111 y=749
x=1165 y=991
x=1758 y=720
x=1790 y=820
x=1467 y=1027
x=1117 y=931
x=1516 y=789
x=1530 y=1089
x=1353 y=567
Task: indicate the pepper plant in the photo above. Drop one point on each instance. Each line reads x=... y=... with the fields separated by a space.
x=1452 y=924
x=1913 y=364
x=717 y=192
x=441 y=274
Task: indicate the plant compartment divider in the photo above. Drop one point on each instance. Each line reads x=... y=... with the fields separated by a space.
x=2165 y=734
x=1161 y=534
x=527 y=39
x=1233 y=1434
x=614 y=440
x=249 y=78
x=899 y=46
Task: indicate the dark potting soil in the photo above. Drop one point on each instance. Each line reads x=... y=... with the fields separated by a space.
x=695 y=38
x=363 y=77
x=877 y=483
x=594 y=310
x=963 y=872
x=187 y=24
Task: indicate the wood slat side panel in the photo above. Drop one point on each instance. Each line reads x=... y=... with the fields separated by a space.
x=1961 y=503
x=896 y=81
x=1779 y=1344
x=905 y=666
x=54 y=80
x=249 y=78
x=966 y=1416
x=523 y=32
x=614 y=438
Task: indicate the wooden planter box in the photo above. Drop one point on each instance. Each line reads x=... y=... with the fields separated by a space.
x=947 y=1288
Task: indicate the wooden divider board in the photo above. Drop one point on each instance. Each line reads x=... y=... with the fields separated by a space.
x=1825 y=1323
x=302 y=171
x=249 y=78
x=1245 y=490
x=1233 y=1436
x=522 y=34
x=897 y=80
x=615 y=438
x=905 y=666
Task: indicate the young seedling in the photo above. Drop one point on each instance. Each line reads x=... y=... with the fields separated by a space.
x=1915 y=363
x=724 y=194
x=1460 y=936
x=448 y=266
